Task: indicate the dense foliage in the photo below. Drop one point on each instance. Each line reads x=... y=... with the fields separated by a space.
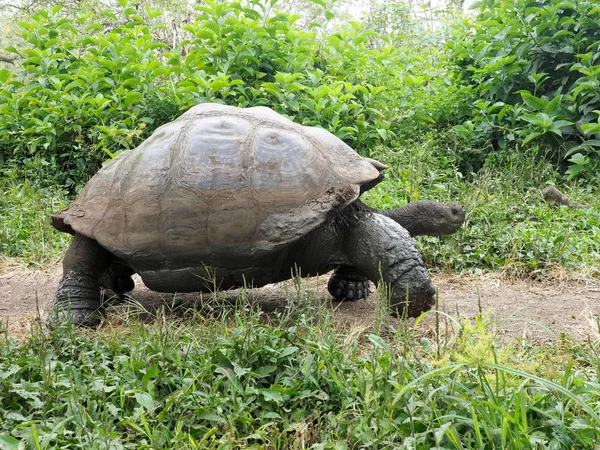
x=486 y=120
x=84 y=93
x=534 y=66
x=236 y=382
x=484 y=116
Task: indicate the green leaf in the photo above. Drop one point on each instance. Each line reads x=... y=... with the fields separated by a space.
x=531 y=137
x=132 y=97
x=532 y=101
x=579 y=159
x=219 y=83
x=561 y=123
x=144 y=399
x=288 y=351
x=8 y=442
x=264 y=371
x=590 y=128
x=210 y=416
x=553 y=107
x=441 y=431
x=6 y=373
x=379 y=342
x=555 y=130
x=540 y=119
x=152 y=13
x=151 y=373
x=383 y=133
x=239 y=370
x=4 y=75
x=272 y=395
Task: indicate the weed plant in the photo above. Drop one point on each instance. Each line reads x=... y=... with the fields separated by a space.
x=241 y=379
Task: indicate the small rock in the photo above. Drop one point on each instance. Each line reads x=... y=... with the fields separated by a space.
x=553 y=195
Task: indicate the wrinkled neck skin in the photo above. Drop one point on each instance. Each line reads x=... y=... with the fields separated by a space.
x=421 y=217
x=414 y=219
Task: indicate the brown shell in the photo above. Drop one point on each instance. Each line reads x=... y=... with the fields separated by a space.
x=217 y=177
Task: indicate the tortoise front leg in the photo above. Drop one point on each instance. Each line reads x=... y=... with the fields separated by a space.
x=347 y=283
x=78 y=298
x=381 y=249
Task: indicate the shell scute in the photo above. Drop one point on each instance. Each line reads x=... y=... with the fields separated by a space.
x=215 y=179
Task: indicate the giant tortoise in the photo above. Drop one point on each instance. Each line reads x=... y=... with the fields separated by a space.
x=240 y=197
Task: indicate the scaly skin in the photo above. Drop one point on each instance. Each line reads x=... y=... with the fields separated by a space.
x=426 y=217
x=379 y=248
x=78 y=297
x=422 y=217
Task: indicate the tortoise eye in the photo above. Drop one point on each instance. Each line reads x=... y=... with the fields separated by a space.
x=457 y=209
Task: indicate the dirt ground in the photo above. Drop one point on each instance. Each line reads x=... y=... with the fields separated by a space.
x=537 y=310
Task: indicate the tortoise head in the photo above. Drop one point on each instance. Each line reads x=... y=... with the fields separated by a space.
x=379 y=166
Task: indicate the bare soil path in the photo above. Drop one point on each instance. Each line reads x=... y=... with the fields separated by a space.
x=521 y=308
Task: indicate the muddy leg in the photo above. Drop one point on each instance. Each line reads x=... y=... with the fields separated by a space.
x=77 y=297
x=380 y=248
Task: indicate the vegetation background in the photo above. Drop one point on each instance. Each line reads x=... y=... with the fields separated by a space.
x=484 y=107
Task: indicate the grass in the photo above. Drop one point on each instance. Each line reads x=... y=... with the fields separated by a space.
x=509 y=226
x=241 y=379
x=25 y=230
x=293 y=380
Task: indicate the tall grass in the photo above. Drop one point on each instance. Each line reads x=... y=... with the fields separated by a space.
x=292 y=380
x=25 y=229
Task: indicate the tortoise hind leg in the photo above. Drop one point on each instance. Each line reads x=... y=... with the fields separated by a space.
x=78 y=298
x=347 y=283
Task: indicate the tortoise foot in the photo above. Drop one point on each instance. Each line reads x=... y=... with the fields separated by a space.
x=80 y=317
x=347 y=285
x=77 y=301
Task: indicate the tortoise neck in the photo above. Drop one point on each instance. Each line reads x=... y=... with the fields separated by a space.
x=411 y=216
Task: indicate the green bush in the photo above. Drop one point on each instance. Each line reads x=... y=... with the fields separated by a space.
x=77 y=94
x=247 y=56
x=534 y=66
x=85 y=91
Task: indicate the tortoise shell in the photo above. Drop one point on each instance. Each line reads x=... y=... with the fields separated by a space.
x=217 y=179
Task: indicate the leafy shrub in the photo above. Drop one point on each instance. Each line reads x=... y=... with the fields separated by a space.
x=77 y=93
x=245 y=56
x=84 y=92
x=534 y=66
